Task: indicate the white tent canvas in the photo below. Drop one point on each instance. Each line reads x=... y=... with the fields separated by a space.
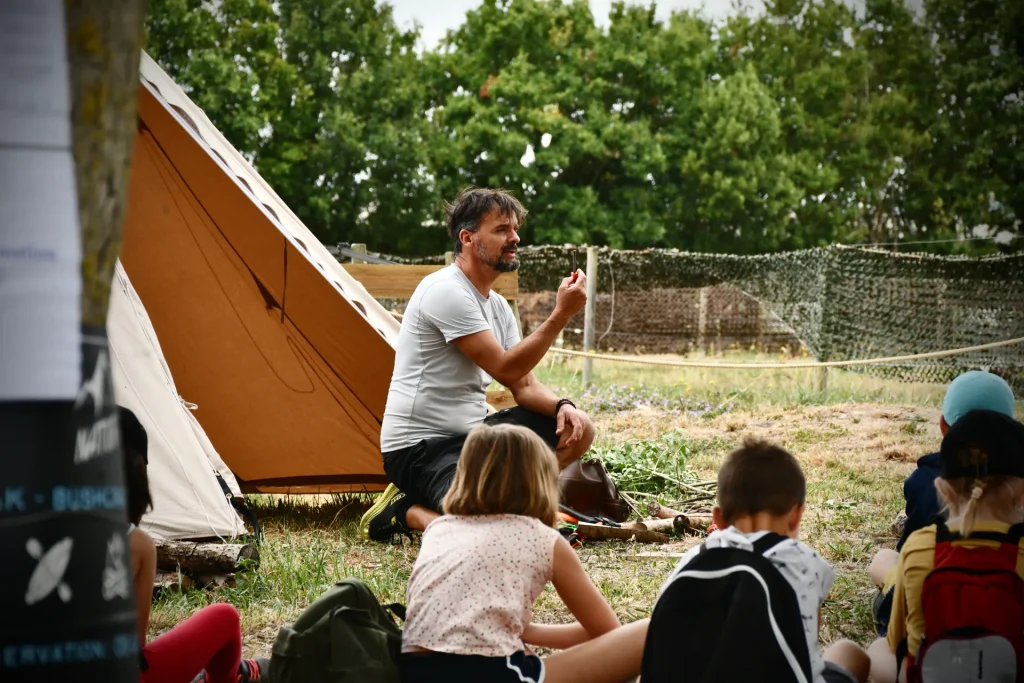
x=188 y=501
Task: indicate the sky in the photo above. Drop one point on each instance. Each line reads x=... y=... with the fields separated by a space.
x=437 y=16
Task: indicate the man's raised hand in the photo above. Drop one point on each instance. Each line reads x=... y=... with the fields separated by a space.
x=571 y=295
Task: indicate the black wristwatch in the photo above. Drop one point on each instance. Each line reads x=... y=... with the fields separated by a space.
x=562 y=402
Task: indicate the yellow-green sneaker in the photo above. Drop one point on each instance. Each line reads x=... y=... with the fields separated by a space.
x=383 y=500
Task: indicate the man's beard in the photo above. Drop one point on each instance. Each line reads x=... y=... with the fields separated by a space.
x=499 y=264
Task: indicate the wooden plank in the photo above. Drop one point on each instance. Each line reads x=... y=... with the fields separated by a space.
x=399 y=282
x=647 y=557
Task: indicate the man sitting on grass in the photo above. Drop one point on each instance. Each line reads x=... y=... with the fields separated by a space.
x=457 y=334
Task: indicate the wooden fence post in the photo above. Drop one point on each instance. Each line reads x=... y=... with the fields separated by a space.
x=359 y=248
x=702 y=317
x=588 y=315
x=449 y=258
x=823 y=380
x=515 y=313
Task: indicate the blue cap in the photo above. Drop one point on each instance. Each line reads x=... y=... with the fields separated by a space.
x=976 y=390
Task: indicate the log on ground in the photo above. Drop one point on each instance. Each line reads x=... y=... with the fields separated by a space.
x=656 y=509
x=208 y=581
x=206 y=558
x=601 y=532
x=694 y=520
x=675 y=525
x=171 y=581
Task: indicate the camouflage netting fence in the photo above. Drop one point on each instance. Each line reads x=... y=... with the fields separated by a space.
x=842 y=303
x=669 y=320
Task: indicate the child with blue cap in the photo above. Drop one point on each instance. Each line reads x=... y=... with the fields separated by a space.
x=974 y=390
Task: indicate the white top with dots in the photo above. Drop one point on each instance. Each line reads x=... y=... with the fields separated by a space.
x=472 y=589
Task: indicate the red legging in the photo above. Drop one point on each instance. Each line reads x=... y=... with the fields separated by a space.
x=210 y=639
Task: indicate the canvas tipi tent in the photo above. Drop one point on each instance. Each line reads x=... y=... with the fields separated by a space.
x=287 y=358
x=185 y=471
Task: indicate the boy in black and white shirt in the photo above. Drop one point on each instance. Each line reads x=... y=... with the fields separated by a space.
x=761 y=489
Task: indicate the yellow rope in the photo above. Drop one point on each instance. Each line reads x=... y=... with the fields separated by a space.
x=789 y=366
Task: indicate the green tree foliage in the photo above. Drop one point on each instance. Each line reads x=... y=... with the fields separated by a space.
x=524 y=99
x=324 y=96
x=226 y=59
x=805 y=124
x=978 y=159
x=348 y=146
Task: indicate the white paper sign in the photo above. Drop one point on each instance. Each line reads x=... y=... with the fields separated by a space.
x=40 y=244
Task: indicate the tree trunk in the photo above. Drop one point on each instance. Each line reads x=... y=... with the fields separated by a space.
x=69 y=602
x=105 y=38
x=206 y=558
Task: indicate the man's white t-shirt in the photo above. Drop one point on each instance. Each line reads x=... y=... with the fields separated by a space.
x=810 y=576
x=435 y=389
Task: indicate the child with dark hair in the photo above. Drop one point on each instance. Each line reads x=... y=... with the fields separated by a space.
x=761 y=490
x=135 y=443
x=207 y=645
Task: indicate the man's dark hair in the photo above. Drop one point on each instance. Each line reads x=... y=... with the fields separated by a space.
x=135 y=444
x=759 y=477
x=472 y=204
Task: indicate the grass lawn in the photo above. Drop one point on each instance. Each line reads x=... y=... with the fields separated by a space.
x=856 y=442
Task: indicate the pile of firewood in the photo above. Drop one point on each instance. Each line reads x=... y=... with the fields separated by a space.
x=182 y=565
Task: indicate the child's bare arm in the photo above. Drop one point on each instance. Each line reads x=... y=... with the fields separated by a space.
x=580 y=594
x=555 y=636
x=143 y=558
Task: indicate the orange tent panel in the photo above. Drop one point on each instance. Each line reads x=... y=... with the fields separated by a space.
x=286 y=355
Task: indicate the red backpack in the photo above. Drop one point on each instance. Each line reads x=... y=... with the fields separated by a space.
x=973 y=603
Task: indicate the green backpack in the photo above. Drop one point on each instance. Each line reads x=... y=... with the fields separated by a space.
x=344 y=636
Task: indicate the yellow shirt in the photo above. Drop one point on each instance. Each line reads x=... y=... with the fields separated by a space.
x=917 y=559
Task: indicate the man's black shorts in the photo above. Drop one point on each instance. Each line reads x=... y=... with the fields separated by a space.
x=424 y=471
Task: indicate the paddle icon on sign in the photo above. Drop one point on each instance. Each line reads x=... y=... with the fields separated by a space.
x=49 y=573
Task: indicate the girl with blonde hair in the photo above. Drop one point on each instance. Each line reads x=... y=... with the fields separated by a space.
x=486 y=560
x=958 y=603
